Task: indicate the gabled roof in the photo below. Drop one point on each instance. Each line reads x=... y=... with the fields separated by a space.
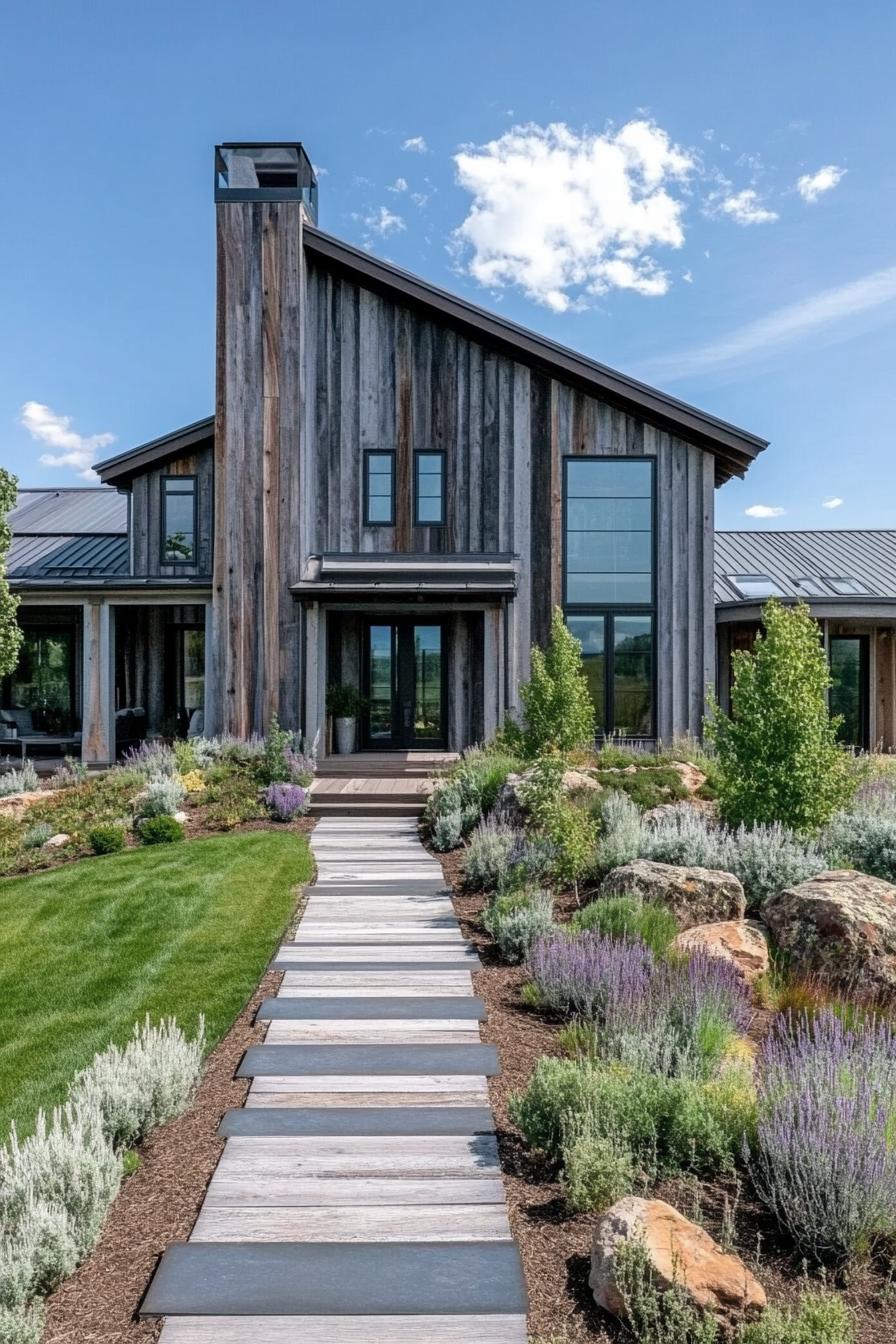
x=120 y=470
x=869 y=557
x=68 y=533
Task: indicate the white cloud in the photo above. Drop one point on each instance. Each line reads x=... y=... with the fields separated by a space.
x=399 y=185
x=416 y=145
x=384 y=222
x=833 y=503
x=79 y=450
x=688 y=277
x=764 y=511
x=567 y=215
x=784 y=326
x=812 y=185
x=745 y=207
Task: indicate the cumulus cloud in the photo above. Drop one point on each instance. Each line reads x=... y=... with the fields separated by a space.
x=77 y=450
x=833 y=503
x=744 y=207
x=764 y=511
x=415 y=144
x=784 y=326
x=384 y=222
x=567 y=215
x=399 y=185
x=812 y=185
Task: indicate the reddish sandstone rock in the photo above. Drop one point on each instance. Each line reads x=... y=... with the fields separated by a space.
x=694 y=895
x=741 y=942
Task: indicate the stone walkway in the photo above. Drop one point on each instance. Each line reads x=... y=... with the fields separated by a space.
x=358 y=1199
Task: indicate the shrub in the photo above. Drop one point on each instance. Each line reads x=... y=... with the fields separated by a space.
x=286 y=801
x=150 y=759
x=108 y=839
x=488 y=854
x=162 y=797
x=569 y=829
x=629 y=918
x=301 y=764
x=100 y=799
x=23 y=780
x=192 y=781
x=515 y=921
x=591 y=976
x=820 y=1318
x=558 y=710
x=684 y=836
x=443 y=816
x=232 y=798
x=649 y=787
x=655 y=1315
x=767 y=859
x=778 y=754
x=274 y=767
x=70 y=773
x=620 y=833
x=21 y=1325
x=824 y=1159
x=863 y=838
x=558 y=1091
x=467 y=795
x=141 y=1086
x=160 y=830
x=598 y=1169
x=37 y=835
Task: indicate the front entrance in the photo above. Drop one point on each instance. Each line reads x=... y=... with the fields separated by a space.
x=403 y=682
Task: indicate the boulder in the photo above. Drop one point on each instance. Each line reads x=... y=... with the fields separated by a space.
x=56 y=841
x=576 y=781
x=694 y=895
x=839 y=926
x=182 y=817
x=679 y=1252
x=17 y=804
x=692 y=778
x=741 y=942
x=508 y=801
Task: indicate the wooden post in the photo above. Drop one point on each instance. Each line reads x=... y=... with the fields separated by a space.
x=155 y=671
x=98 y=715
x=209 y=700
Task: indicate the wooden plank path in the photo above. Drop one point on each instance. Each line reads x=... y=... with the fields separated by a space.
x=358 y=1199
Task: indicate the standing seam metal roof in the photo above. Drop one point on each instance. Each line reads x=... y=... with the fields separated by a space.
x=68 y=533
x=784 y=557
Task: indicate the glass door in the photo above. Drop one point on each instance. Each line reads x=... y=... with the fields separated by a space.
x=404 y=685
x=380 y=686
x=849 y=689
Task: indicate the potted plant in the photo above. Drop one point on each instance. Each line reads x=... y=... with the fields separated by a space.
x=345 y=705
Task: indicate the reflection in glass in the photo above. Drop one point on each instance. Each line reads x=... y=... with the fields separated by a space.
x=43 y=682
x=193 y=663
x=589 y=631
x=427 y=681
x=633 y=675
x=609 y=532
x=179 y=525
x=380 y=487
x=846 y=695
x=380 y=688
x=429 y=488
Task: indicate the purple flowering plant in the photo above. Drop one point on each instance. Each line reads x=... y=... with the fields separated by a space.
x=286 y=801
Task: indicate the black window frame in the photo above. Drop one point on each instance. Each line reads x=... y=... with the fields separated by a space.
x=607 y=611
x=442 y=519
x=193 y=479
x=368 y=454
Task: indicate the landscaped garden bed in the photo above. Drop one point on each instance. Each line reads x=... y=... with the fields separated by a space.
x=693 y=1005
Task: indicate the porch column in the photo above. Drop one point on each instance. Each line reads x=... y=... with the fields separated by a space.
x=98 y=716
x=315 y=675
x=492 y=670
x=155 y=667
x=210 y=712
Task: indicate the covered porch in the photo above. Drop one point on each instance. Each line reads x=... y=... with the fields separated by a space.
x=100 y=673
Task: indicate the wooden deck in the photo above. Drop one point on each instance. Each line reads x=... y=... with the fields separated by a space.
x=374 y=784
x=359 y=1198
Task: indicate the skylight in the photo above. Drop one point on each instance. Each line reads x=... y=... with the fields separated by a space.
x=811 y=587
x=845 y=586
x=755 y=585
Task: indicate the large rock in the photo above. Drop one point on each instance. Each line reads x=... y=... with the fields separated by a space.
x=694 y=895
x=679 y=1252
x=692 y=778
x=509 y=802
x=839 y=926
x=741 y=942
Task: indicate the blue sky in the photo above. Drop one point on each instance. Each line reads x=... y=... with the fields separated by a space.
x=701 y=195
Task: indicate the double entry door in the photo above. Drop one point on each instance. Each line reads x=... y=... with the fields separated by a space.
x=404 y=684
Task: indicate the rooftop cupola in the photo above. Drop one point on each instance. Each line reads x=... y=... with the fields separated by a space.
x=280 y=171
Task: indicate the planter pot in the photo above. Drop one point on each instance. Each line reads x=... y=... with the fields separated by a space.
x=345 y=736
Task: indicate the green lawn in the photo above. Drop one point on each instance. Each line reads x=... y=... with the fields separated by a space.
x=88 y=949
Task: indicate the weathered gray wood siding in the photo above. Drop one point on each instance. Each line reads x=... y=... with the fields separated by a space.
x=146 y=516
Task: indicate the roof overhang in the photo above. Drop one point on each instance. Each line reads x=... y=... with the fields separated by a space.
x=851 y=608
x=116 y=583
x=120 y=471
x=734 y=449
x=390 y=577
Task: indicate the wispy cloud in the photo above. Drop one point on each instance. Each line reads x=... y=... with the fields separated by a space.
x=812 y=185
x=833 y=503
x=764 y=511
x=78 y=450
x=416 y=144
x=384 y=221
x=398 y=186
x=785 y=326
x=567 y=215
x=745 y=207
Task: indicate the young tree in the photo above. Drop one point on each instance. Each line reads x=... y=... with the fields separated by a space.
x=778 y=754
x=557 y=707
x=10 y=634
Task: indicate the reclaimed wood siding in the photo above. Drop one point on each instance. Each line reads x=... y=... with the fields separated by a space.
x=146 y=516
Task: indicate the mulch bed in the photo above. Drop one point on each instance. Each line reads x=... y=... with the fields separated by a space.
x=158 y=1204
x=555 y=1246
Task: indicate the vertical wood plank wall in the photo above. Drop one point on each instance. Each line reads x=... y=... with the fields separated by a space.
x=146 y=516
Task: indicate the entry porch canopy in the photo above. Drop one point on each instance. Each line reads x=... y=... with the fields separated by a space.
x=333 y=577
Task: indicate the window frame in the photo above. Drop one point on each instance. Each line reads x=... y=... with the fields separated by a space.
x=193 y=479
x=441 y=521
x=739 y=579
x=857 y=591
x=607 y=611
x=368 y=454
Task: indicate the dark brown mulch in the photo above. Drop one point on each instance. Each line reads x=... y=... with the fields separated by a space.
x=556 y=1246
x=157 y=1204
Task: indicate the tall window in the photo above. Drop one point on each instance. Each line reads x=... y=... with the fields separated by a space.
x=429 y=489
x=178 y=520
x=609 y=585
x=379 y=488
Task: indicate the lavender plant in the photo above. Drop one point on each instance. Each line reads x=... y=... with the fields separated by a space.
x=488 y=854
x=591 y=976
x=286 y=801
x=150 y=759
x=71 y=773
x=824 y=1158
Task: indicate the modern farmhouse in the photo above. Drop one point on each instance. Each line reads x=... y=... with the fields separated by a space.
x=395 y=490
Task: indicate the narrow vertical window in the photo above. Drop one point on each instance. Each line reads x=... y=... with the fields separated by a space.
x=178 y=520
x=379 y=488
x=429 y=489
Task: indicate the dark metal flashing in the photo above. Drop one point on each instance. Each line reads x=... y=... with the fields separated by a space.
x=115 y=582
x=121 y=469
x=734 y=449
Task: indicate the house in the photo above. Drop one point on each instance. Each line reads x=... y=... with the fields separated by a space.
x=848 y=580
x=395 y=490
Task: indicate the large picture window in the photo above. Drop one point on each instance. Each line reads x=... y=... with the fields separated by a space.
x=609 y=586
x=178 y=520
